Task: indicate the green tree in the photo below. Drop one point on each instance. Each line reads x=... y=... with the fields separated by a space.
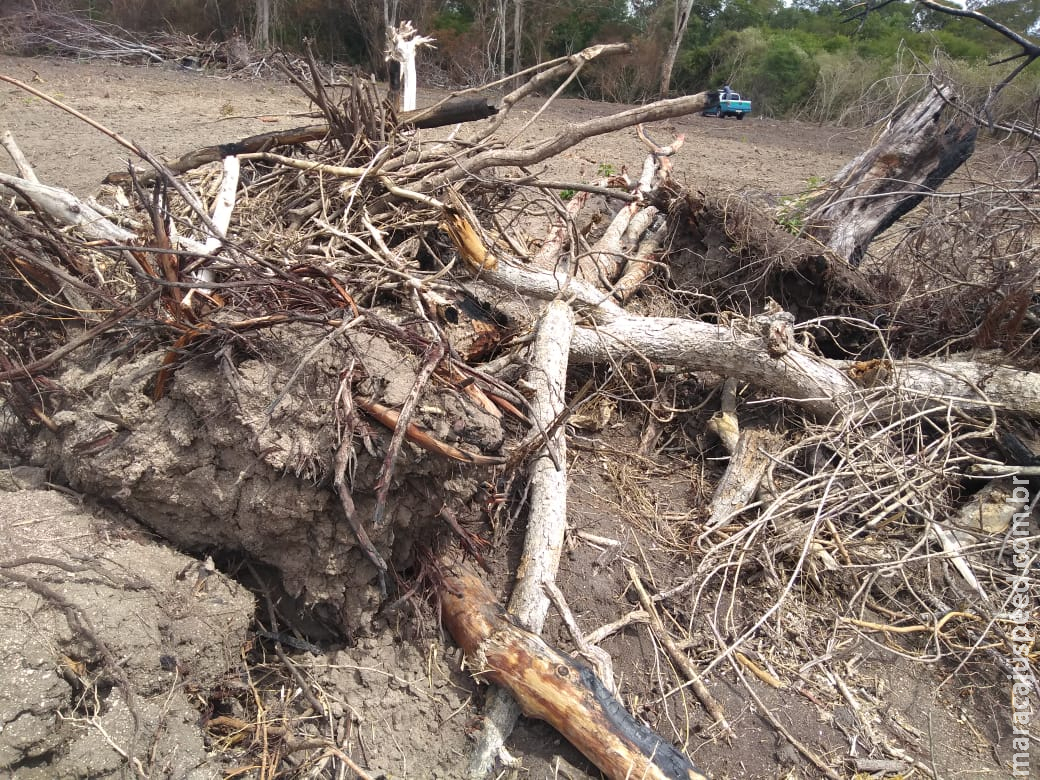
x=770 y=67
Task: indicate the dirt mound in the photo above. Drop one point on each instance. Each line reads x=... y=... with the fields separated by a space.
x=103 y=635
x=238 y=457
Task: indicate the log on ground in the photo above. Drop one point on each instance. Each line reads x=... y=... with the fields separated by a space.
x=554 y=687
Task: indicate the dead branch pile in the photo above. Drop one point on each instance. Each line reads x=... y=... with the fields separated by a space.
x=985 y=236
x=78 y=36
x=851 y=476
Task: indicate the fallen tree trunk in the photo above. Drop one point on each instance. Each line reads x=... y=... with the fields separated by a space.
x=746 y=352
x=826 y=387
x=547 y=512
x=554 y=687
x=806 y=379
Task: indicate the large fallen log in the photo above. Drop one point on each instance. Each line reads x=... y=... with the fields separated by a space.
x=744 y=351
x=826 y=387
x=554 y=687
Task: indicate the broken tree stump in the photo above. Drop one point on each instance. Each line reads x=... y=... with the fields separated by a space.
x=921 y=147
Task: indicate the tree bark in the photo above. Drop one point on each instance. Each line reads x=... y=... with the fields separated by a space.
x=262 y=36
x=518 y=16
x=730 y=351
x=826 y=387
x=503 y=36
x=921 y=147
x=546 y=515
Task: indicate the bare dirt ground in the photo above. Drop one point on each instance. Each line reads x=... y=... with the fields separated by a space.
x=402 y=705
x=172 y=111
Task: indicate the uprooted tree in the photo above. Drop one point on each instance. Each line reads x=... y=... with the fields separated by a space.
x=341 y=341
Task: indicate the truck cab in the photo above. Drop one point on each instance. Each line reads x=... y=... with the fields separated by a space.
x=730 y=104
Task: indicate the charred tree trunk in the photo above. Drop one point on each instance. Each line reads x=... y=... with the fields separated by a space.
x=919 y=150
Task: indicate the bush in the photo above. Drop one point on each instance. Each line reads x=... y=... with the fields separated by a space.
x=1018 y=102
x=627 y=79
x=842 y=79
x=460 y=53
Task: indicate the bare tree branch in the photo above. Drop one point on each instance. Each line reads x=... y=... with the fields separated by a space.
x=1030 y=50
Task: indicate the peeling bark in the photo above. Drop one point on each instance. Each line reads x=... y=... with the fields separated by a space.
x=554 y=687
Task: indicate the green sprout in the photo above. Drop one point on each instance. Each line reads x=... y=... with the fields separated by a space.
x=790 y=214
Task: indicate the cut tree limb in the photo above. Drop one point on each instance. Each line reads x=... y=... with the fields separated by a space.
x=67 y=209
x=554 y=687
x=823 y=386
x=451 y=112
x=969 y=384
x=552 y=72
x=724 y=423
x=639 y=267
x=25 y=170
x=571 y=135
x=448 y=113
x=546 y=285
x=606 y=260
x=546 y=515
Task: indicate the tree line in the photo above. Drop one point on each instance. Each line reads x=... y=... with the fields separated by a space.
x=804 y=59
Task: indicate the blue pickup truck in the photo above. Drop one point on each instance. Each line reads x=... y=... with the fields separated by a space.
x=730 y=104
